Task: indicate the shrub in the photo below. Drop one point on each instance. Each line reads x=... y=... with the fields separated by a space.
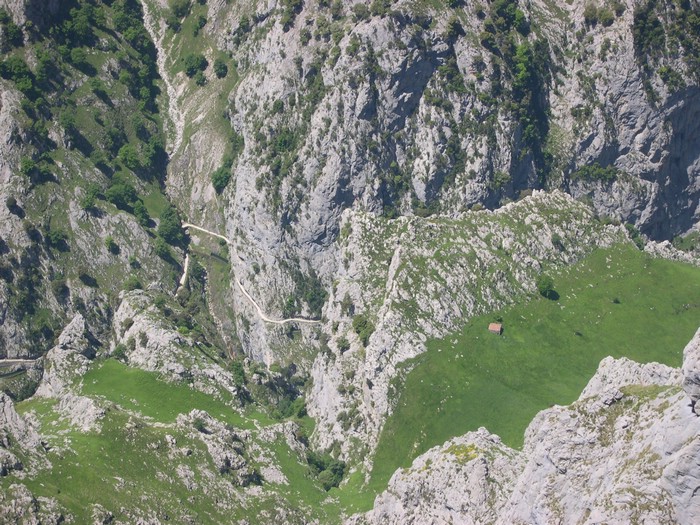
x=59 y=288
x=78 y=57
x=328 y=470
x=238 y=372
x=557 y=242
x=132 y=283
x=343 y=344
x=290 y=9
x=647 y=31
x=194 y=63
x=180 y=8
x=363 y=327
x=162 y=250
x=635 y=235
x=220 y=68
x=89 y=198
x=129 y=156
x=672 y=78
x=360 y=12
x=141 y=213
x=170 y=227
x=545 y=286
x=590 y=15
x=606 y=17
x=111 y=246
x=595 y=172
x=220 y=178
x=119 y=352
x=56 y=238
x=122 y=195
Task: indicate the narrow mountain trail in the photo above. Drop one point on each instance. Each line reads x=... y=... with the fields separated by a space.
x=176 y=116
x=259 y=310
x=10 y=362
x=186 y=270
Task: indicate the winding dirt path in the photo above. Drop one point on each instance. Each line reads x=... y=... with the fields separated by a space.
x=9 y=362
x=259 y=310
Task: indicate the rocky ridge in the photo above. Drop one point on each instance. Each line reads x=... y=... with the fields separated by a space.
x=414 y=279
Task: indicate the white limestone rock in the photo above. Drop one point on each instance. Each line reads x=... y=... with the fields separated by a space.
x=66 y=361
x=465 y=481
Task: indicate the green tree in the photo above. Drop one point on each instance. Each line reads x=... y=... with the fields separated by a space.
x=363 y=327
x=141 y=213
x=129 y=156
x=194 y=63
x=170 y=227
x=220 y=68
x=545 y=286
x=220 y=178
x=111 y=245
x=122 y=195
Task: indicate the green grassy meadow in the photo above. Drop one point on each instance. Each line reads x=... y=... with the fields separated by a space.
x=617 y=302
x=144 y=392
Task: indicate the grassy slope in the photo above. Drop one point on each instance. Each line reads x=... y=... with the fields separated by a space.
x=109 y=467
x=143 y=392
x=474 y=378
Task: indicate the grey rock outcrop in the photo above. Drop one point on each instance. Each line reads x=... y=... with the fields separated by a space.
x=68 y=359
x=152 y=343
x=20 y=444
x=226 y=446
x=18 y=505
x=465 y=481
x=14 y=428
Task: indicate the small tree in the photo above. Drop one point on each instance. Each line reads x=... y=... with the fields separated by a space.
x=132 y=283
x=343 y=344
x=363 y=327
x=130 y=157
x=141 y=213
x=220 y=178
x=170 y=227
x=195 y=63
x=545 y=285
x=220 y=68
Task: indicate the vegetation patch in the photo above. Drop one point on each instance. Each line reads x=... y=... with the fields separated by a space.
x=464 y=453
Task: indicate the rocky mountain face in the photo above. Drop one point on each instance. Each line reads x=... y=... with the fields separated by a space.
x=625 y=452
x=409 y=108
x=388 y=169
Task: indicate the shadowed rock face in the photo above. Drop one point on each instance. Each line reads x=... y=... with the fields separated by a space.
x=630 y=437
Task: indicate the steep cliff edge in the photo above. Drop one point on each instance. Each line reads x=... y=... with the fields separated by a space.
x=625 y=452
